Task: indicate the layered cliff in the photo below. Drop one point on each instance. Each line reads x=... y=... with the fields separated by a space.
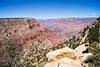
x=25 y=30
x=69 y=26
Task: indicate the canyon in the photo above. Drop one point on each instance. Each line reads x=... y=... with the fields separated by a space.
x=69 y=26
x=25 y=30
x=38 y=35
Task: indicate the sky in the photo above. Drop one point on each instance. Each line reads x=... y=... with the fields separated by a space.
x=47 y=9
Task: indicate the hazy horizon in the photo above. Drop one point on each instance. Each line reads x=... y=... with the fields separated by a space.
x=45 y=18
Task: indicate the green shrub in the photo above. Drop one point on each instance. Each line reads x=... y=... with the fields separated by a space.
x=94 y=34
x=94 y=47
x=94 y=60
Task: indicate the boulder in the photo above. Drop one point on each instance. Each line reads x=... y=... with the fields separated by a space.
x=67 y=57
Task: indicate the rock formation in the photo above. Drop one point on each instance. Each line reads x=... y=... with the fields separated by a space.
x=25 y=30
x=67 y=57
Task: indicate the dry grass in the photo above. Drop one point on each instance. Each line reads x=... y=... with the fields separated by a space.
x=66 y=55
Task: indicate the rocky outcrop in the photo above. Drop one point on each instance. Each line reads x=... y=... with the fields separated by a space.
x=67 y=57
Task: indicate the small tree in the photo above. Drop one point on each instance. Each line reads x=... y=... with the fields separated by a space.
x=94 y=32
